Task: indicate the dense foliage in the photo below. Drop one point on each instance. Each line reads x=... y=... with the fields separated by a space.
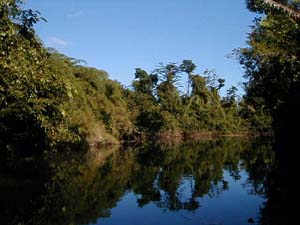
x=272 y=60
x=48 y=99
x=163 y=107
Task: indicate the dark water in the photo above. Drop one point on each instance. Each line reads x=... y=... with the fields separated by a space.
x=207 y=182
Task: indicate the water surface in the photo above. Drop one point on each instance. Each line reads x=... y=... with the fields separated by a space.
x=205 y=182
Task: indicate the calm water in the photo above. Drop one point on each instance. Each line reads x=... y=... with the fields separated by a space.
x=207 y=182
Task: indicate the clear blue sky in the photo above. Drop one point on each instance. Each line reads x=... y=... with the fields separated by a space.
x=121 y=35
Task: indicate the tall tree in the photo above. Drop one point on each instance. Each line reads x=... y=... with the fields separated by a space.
x=188 y=67
x=167 y=92
x=272 y=63
x=144 y=82
x=272 y=60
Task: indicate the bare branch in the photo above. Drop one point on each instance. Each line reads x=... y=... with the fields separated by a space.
x=293 y=13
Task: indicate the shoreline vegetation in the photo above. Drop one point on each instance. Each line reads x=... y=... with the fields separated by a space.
x=51 y=102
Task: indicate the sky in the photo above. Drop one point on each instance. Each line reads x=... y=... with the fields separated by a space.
x=121 y=35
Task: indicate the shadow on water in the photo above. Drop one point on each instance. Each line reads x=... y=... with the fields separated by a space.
x=80 y=188
x=281 y=183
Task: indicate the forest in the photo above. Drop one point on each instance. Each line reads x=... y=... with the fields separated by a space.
x=52 y=103
x=49 y=100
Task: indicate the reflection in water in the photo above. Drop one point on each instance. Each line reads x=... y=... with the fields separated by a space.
x=77 y=189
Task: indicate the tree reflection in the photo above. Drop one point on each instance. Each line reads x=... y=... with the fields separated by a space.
x=80 y=189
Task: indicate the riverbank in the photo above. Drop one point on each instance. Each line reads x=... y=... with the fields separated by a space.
x=178 y=137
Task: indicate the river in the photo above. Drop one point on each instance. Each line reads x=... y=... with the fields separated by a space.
x=207 y=182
